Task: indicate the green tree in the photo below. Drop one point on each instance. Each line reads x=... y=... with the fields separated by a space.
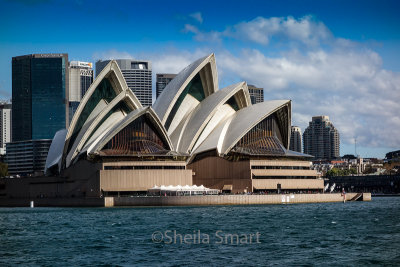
x=353 y=171
x=334 y=172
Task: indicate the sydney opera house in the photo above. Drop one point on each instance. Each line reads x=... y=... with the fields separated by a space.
x=194 y=134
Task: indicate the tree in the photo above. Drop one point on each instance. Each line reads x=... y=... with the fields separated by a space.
x=334 y=172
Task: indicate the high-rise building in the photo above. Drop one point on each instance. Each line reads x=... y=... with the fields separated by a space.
x=137 y=74
x=256 y=94
x=321 y=139
x=80 y=78
x=295 y=139
x=161 y=81
x=39 y=96
x=27 y=157
x=5 y=126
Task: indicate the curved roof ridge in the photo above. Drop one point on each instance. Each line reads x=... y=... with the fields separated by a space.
x=205 y=111
x=95 y=148
x=244 y=120
x=125 y=96
x=113 y=74
x=215 y=139
x=55 y=151
x=166 y=101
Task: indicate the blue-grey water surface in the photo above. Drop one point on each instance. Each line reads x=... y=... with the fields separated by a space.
x=350 y=234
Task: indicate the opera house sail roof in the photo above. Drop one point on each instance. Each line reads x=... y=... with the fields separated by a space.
x=191 y=116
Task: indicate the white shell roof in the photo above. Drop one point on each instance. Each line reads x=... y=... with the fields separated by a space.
x=172 y=91
x=56 y=150
x=199 y=126
x=227 y=134
x=202 y=114
x=94 y=149
x=114 y=74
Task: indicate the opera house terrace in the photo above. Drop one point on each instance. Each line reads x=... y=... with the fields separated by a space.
x=195 y=134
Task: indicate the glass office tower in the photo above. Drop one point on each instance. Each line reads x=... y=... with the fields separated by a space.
x=40 y=96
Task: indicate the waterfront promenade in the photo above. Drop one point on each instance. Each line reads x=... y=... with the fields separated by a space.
x=208 y=200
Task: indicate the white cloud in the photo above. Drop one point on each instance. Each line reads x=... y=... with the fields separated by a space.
x=202 y=36
x=261 y=30
x=320 y=73
x=112 y=54
x=197 y=16
x=351 y=87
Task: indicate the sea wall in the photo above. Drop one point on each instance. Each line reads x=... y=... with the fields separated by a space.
x=233 y=199
x=53 y=202
x=181 y=200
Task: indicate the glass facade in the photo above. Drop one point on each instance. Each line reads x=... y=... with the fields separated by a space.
x=232 y=102
x=86 y=81
x=27 y=157
x=195 y=89
x=121 y=106
x=263 y=139
x=21 y=99
x=73 y=106
x=162 y=81
x=138 y=138
x=104 y=91
x=39 y=96
x=256 y=94
x=48 y=97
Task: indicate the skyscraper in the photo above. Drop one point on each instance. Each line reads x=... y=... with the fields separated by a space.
x=137 y=74
x=321 y=139
x=161 y=81
x=5 y=126
x=80 y=79
x=256 y=94
x=28 y=157
x=295 y=139
x=39 y=96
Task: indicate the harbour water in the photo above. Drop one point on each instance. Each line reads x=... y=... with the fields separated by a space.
x=354 y=233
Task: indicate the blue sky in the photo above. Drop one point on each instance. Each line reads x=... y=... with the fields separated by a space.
x=335 y=58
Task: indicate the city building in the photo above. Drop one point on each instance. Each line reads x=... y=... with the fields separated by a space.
x=137 y=74
x=295 y=139
x=5 y=126
x=39 y=96
x=195 y=134
x=162 y=79
x=256 y=94
x=321 y=139
x=27 y=158
x=80 y=78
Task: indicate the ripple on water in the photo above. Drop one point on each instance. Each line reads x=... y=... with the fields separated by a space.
x=362 y=233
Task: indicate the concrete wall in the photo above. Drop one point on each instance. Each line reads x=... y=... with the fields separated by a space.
x=141 y=180
x=280 y=163
x=215 y=172
x=145 y=163
x=180 y=201
x=232 y=200
x=304 y=184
